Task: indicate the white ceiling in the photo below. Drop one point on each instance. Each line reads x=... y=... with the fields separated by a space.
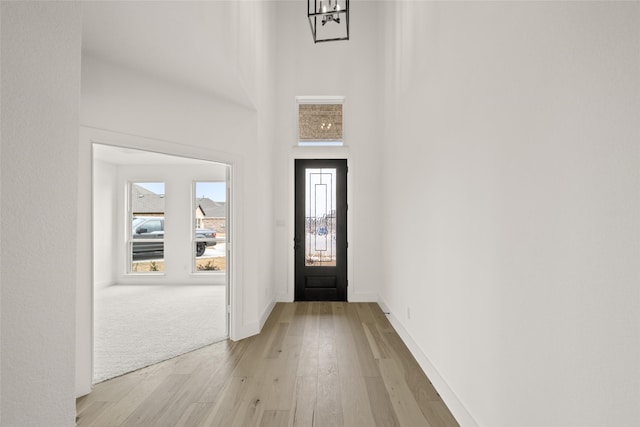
x=128 y=156
x=188 y=43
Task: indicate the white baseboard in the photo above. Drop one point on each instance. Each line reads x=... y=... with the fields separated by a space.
x=456 y=407
x=283 y=297
x=245 y=331
x=267 y=311
x=254 y=328
x=103 y=284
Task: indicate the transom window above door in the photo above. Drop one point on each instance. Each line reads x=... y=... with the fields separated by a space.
x=320 y=121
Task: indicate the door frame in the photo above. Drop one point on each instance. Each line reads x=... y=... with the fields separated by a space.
x=303 y=271
x=84 y=286
x=305 y=153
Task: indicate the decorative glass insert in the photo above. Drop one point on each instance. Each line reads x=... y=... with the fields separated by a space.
x=320 y=123
x=320 y=217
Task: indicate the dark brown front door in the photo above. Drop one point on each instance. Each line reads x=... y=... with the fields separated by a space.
x=321 y=230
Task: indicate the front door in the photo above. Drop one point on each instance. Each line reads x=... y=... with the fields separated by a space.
x=320 y=230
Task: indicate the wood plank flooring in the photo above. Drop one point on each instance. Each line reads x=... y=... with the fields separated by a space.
x=314 y=364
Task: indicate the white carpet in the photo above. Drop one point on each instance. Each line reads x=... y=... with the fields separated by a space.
x=137 y=326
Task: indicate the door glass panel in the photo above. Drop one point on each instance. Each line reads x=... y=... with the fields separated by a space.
x=320 y=217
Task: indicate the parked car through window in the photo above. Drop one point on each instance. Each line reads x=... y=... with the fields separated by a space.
x=147 y=228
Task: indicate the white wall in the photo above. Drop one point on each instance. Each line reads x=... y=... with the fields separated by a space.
x=256 y=44
x=1 y=139
x=105 y=200
x=512 y=134
x=40 y=52
x=347 y=68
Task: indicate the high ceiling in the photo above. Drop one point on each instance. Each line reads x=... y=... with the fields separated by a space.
x=190 y=44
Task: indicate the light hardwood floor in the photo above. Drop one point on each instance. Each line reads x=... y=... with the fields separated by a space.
x=314 y=364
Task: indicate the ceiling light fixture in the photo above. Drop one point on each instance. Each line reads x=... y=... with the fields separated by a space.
x=332 y=12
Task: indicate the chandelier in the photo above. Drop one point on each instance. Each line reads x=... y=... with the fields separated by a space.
x=329 y=20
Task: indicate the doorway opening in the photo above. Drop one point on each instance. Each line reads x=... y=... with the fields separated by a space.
x=320 y=230
x=160 y=276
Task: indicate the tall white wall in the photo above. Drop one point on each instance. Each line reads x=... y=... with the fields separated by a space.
x=511 y=180
x=346 y=68
x=256 y=38
x=40 y=50
x=1 y=139
x=105 y=231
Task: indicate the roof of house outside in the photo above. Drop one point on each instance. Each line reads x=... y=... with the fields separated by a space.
x=146 y=201
x=212 y=209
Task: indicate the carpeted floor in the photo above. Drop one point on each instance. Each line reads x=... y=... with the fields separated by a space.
x=137 y=326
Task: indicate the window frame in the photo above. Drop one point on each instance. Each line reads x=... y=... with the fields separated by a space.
x=129 y=239
x=320 y=100
x=194 y=226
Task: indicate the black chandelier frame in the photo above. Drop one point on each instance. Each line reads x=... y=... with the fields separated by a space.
x=330 y=15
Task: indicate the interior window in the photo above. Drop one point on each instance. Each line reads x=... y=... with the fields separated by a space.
x=210 y=227
x=145 y=245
